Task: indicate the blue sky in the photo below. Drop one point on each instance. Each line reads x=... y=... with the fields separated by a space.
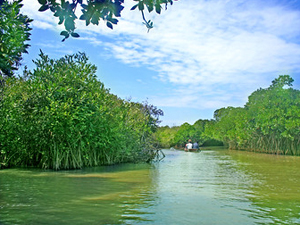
x=200 y=56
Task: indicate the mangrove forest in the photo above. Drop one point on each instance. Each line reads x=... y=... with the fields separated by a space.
x=59 y=116
x=269 y=122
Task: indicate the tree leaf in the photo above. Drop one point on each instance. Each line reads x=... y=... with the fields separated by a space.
x=75 y=35
x=43 y=8
x=69 y=24
x=61 y=20
x=56 y=14
x=95 y=19
x=42 y=2
x=109 y=25
x=113 y=20
x=52 y=9
x=64 y=33
x=118 y=9
x=158 y=8
x=150 y=7
x=134 y=7
x=82 y=17
x=141 y=6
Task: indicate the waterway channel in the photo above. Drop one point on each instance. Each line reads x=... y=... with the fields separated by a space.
x=216 y=186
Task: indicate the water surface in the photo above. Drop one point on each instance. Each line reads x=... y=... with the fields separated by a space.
x=210 y=187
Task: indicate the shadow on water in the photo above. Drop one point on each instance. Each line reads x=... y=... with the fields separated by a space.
x=214 y=186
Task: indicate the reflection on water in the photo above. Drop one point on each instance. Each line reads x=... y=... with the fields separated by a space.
x=277 y=195
x=210 y=187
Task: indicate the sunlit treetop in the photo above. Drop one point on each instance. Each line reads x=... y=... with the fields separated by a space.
x=92 y=11
x=14 y=32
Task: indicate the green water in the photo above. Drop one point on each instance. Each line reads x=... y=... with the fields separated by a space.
x=210 y=187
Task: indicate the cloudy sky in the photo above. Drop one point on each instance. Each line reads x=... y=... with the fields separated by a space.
x=200 y=56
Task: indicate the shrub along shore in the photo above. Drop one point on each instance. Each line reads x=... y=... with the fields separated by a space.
x=269 y=122
x=59 y=116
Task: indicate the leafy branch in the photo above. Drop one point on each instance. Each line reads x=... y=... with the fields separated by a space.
x=150 y=5
x=93 y=11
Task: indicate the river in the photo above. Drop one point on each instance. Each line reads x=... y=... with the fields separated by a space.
x=210 y=187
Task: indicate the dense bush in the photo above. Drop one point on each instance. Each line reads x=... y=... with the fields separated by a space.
x=269 y=122
x=60 y=116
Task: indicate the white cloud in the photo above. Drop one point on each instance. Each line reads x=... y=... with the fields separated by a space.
x=42 y=20
x=209 y=43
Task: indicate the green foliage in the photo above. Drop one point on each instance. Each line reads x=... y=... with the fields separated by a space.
x=14 y=32
x=269 y=122
x=60 y=116
x=229 y=126
x=183 y=134
x=164 y=136
x=95 y=11
x=282 y=81
x=178 y=136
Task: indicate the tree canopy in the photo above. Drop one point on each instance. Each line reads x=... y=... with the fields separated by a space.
x=14 y=32
x=269 y=121
x=93 y=11
x=178 y=136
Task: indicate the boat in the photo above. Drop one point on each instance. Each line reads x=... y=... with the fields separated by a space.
x=192 y=150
